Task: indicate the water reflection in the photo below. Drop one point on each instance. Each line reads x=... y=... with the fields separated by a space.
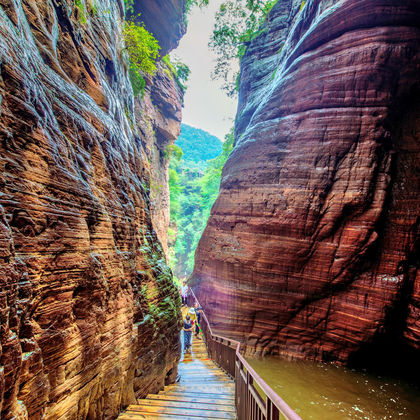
x=328 y=392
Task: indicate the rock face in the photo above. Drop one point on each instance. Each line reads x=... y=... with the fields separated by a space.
x=158 y=115
x=164 y=18
x=312 y=248
x=89 y=315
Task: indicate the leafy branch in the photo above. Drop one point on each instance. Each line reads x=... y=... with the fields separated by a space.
x=143 y=51
x=238 y=22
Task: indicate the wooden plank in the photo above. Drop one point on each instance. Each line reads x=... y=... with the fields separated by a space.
x=198 y=366
x=136 y=416
x=194 y=373
x=199 y=371
x=185 y=404
x=229 y=384
x=223 y=399
x=206 y=393
x=205 y=390
x=191 y=361
x=215 y=395
x=194 y=398
x=205 y=379
x=207 y=414
x=127 y=416
x=203 y=372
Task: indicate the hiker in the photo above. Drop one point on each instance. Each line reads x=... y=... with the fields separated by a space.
x=198 y=311
x=184 y=293
x=188 y=328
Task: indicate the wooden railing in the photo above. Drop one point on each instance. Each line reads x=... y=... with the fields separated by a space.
x=251 y=403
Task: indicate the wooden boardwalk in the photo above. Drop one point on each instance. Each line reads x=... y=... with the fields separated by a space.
x=203 y=392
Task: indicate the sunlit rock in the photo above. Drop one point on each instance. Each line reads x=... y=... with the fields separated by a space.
x=312 y=248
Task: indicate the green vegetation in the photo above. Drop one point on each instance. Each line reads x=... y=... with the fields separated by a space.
x=129 y=6
x=173 y=151
x=82 y=11
x=198 y=145
x=92 y=7
x=155 y=279
x=143 y=51
x=189 y=4
x=238 y=22
x=194 y=186
x=180 y=71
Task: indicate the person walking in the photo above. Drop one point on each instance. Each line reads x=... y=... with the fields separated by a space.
x=184 y=293
x=188 y=328
x=198 y=311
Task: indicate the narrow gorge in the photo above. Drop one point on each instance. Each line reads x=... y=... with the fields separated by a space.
x=311 y=250
x=312 y=247
x=90 y=317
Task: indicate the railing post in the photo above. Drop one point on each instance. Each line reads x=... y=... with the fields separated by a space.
x=268 y=408
x=248 y=397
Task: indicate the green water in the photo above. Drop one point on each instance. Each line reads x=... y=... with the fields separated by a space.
x=328 y=392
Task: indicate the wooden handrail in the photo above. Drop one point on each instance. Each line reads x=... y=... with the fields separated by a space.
x=249 y=404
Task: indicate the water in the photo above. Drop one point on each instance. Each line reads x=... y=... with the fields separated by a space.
x=328 y=392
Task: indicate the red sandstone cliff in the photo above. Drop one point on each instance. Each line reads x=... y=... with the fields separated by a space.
x=89 y=316
x=312 y=248
x=158 y=115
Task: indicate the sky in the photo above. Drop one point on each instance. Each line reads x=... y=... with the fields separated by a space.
x=206 y=106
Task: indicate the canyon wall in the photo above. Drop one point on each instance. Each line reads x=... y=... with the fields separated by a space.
x=158 y=117
x=312 y=247
x=89 y=315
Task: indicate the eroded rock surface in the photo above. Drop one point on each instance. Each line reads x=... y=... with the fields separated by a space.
x=158 y=116
x=312 y=247
x=164 y=18
x=89 y=315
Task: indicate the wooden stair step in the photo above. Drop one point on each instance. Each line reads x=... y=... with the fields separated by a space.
x=208 y=389
x=203 y=380
x=217 y=396
x=226 y=388
x=197 y=363
x=195 y=373
x=229 y=383
x=207 y=414
x=208 y=369
x=198 y=366
x=185 y=404
x=136 y=416
x=194 y=398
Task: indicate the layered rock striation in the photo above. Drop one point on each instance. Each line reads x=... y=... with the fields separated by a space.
x=158 y=118
x=89 y=315
x=164 y=18
x=312 y=247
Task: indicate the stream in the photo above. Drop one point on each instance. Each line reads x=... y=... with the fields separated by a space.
x=327 y=392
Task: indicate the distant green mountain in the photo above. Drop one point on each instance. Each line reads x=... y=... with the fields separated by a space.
x=198 y=145
x=194 y=183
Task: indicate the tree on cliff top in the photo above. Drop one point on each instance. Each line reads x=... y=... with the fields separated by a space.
x=237 y=23
x=189 y=4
